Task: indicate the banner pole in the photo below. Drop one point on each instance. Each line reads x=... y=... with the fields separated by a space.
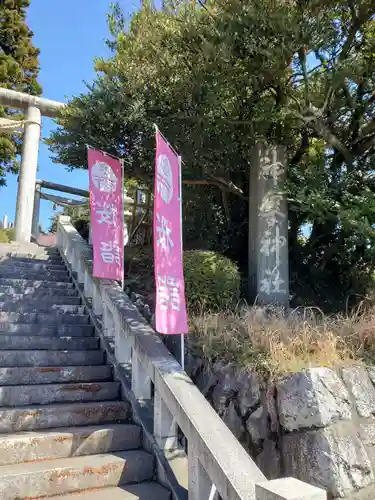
x=182 y=253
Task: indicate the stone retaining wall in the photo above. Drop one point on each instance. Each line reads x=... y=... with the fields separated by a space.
x=317 y=425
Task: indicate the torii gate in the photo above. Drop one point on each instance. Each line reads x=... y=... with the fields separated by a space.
x=35 y=107
x=58 y=200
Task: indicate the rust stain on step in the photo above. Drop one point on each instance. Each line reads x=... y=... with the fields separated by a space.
x=90 y=490
x=51 y=370
x=35 y=441
x=82 y=387
x=33 y=413
x=65 y=474
x=88 y=412
x=61 y=439
x=105 y=469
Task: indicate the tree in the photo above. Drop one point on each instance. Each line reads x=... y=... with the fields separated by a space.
x=19 y=68
x=219 y=75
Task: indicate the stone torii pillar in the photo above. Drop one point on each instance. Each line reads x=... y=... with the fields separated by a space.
x=36 y=210
x=35 y=108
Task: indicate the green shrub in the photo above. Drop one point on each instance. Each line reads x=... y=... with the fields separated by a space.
x=11 y=234
x=6 y=235
x=212 y=281
x=3 y=236
x=82 y=226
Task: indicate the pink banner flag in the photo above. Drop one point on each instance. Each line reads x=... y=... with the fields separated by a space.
x=107 y=215
x=170 y=313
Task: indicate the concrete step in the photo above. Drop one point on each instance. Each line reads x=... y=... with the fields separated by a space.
x=43 y=297
x=68 y=475
x=142 y=491
x=44 y=318
x=30 y=291
x=31 y=266
x=13 y=254
x=40 y=259
x=27 y=375
x=39 y=306
x=50 y=358
x=30 y=278
x=38 y=283
x=34 y=275
x=27 y=342
x=68 y=442
x=29 y=250
x=32 y=418
x=46 y=330
x=46 y=394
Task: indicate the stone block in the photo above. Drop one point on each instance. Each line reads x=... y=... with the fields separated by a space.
x=359 y=384
x=269 y=460
x=233 y=421
x=257 y=425
x=371 y=373
x=206 y=380
x=248 y=395
x=313 y=398
x=226 y=388
x=367 y=434
x=333 y=460
x=270 y=402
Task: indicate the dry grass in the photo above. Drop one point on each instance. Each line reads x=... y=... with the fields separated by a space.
x=276 y=343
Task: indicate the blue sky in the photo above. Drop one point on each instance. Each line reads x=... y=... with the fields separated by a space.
x=69 y=34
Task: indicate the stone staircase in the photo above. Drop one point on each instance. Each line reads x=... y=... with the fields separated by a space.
x=64 y=430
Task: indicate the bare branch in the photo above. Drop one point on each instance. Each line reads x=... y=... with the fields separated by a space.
x=305 y=144
x=315 y=121
x=205 y=8
x=211 y=119
x=220 y=183
x=226 y=206
x=365 y=145
x=366 y=130
x=356 y=25
x=302 y=60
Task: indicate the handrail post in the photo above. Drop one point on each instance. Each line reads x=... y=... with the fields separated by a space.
x=141 y=383
x=108 y=323
x=200 y=485
x=123 y=348
x=80 y=269
x=97 y=302
x=88 y=284
x=165 y=426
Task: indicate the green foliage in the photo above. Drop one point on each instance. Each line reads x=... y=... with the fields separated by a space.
x=218 y=78
x=3 y=237
x=80 y=217
x=19 y=68
x=212 y=281
x=83 y=227
x=6 y=235
x=11 y=234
